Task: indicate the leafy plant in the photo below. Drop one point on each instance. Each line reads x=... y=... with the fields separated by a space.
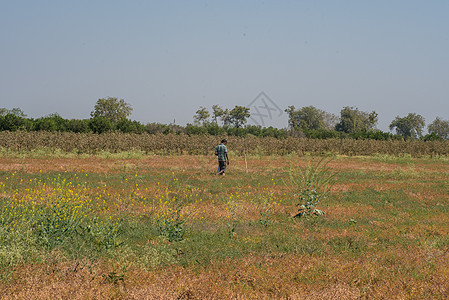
x=312 y=185
x=170 y=224
x=103 y=234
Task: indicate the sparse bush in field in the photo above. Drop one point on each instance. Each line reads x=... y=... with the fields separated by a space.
x=265 y=214
x=102 y=234
x=311 y=185
x=56 y=223
x=170 y=224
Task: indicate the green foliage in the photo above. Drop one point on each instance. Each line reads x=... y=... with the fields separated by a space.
x=214 y=129
x=100 y=124
x=78 y=126
x=432 y=137
x=56 y=223
x=440 y=128
x=410 y=126
x=112 y=109
x=128 y=126
x=12 y=122
x=239 y=115
x=217 y=113
x=101 y=234
x=201 y=116
x=311 y=185
x=53 y=122
x=309 y=118
x=309 y=200
x=352 y=120
x=171 y=224
x=196 y=130
x=15 y=111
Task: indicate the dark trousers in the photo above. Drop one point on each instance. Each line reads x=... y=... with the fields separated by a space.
x=221 y=166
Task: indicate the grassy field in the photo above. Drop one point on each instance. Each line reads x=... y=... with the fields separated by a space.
x=124 y=226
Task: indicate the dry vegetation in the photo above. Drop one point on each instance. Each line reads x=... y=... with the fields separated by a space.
x=184 y=144
x=384 y=235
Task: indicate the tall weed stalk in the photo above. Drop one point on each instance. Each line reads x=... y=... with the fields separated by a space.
x=311 y=185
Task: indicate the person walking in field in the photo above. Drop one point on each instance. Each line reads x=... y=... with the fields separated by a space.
x=222 y=152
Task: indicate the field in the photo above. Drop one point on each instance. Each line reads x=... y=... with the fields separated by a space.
x=131 y=225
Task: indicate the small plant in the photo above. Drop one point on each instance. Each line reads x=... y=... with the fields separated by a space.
x=309 y=199
x=113 y=277
x=170 y=224
x=314 y=184
x=104 y=234
x=231 y=222
x=266 y=211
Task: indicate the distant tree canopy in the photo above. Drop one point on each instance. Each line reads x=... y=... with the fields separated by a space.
x=15 y=111
x=239 y=115
x=217 y=113
x=352 y=120
x=236 y=117
x=410 y=126
x=309 y=118
x=439 y=127
x=52 y=122
x=201 y=116
x=111 y=114
x=112 y=109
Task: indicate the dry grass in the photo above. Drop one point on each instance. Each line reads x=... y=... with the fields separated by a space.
x=384 y=234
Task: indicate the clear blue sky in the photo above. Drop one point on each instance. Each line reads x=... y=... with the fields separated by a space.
x=167 y=58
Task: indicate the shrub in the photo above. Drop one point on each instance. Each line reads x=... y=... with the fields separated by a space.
x=311 y=185
x=100 y=125
x=11 y=122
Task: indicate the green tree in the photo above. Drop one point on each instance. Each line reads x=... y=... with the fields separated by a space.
x=238 y=116
x=53 y=122
x=201 y=116
x=78 y=126
x=112 y=109
x=128 y=126
x=100 y=124
x=12 y=122
x=352 y=120
x=217 y=113
x=439 y=127
x=226 y=117
x=410 y=126
x=15 y=111
x=309 y=118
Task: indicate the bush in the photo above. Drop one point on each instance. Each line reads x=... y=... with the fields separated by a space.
x=432 y=137
x=215 y=130
x=78 y=126
x=51 y=123
x=128 y=126
x=12 y=122
x=195 y=130
x=100 y=125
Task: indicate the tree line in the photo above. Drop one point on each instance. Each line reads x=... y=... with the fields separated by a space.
x=112 y=114
x=312 y=122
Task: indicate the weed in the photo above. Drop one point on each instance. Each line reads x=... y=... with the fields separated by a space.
x=312 y=185
x=171 y=224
